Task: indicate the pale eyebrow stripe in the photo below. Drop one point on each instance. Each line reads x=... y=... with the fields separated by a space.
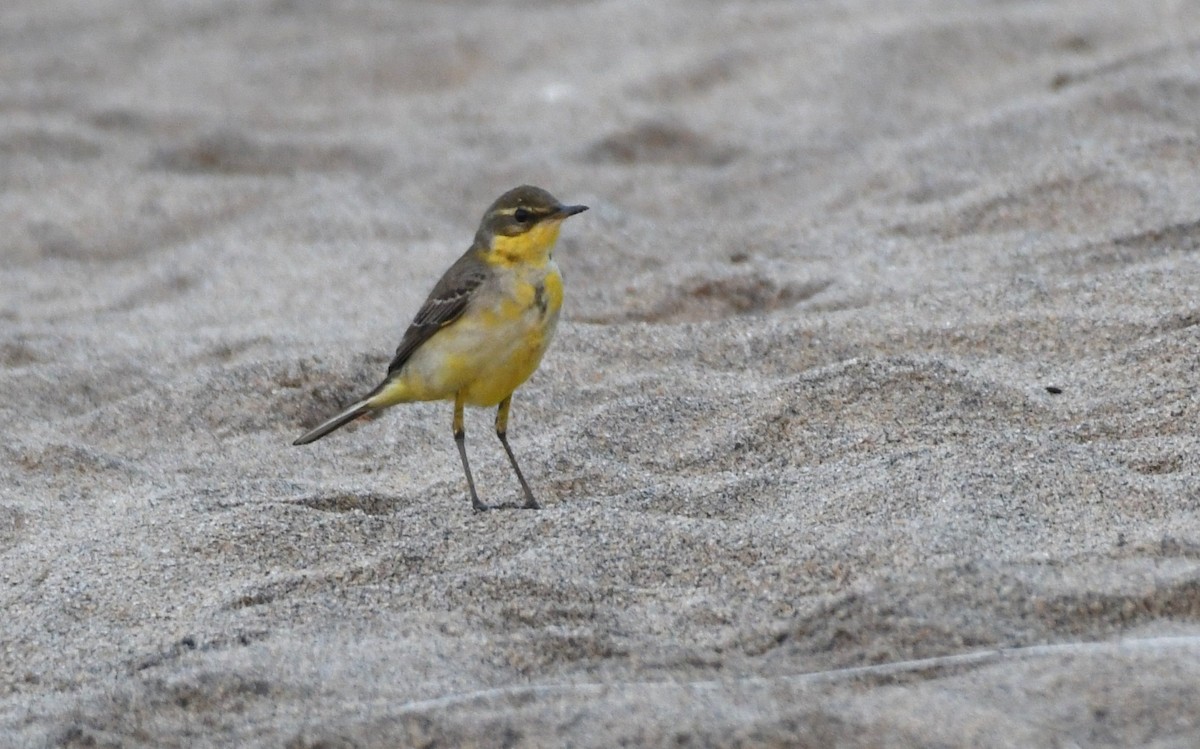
x=531 y=209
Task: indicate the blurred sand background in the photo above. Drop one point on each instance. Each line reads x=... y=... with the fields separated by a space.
x=872 y=419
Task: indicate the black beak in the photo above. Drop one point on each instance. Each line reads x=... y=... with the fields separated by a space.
x=569 y=210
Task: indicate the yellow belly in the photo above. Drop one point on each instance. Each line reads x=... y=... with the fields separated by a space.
x=495 y=383
x=488 y=352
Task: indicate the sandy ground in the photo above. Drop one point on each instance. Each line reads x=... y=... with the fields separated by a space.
x=872 y=419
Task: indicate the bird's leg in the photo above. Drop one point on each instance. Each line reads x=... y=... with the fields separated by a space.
x=502 y=433
x=460 y=439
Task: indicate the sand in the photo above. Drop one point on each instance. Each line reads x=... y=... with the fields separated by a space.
x=872 y=418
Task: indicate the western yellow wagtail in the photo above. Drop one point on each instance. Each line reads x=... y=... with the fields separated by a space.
x=485 y=326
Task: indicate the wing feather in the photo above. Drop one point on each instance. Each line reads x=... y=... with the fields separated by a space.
x=446 y=303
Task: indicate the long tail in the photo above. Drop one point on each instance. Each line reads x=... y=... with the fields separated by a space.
x=345 y=417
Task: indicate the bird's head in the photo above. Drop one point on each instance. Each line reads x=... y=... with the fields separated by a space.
x=522 y=225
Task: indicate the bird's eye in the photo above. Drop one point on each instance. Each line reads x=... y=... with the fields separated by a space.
x=521 y=215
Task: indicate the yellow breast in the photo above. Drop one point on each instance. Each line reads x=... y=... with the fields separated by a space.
x=493 y=348
x=523 y=324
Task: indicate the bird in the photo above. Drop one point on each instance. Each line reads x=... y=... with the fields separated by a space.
x=483 y=329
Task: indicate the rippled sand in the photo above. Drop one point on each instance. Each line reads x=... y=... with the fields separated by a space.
x=872 y=420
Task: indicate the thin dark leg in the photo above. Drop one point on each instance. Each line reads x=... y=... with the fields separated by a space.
x=460 y=439
x=502 y=433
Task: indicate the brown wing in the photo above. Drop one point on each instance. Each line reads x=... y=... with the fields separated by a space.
x=445 y=304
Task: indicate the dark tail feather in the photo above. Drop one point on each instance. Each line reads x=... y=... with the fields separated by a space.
x=337 y=422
